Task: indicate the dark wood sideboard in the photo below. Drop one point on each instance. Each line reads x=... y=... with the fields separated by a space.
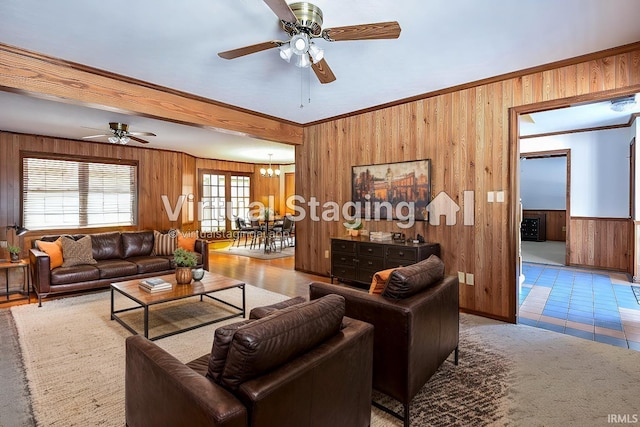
x=357 y=259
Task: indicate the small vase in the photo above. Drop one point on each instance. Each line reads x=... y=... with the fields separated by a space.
x=197 y=273
x=354 y=233
x=15 y=257
x=183 y=275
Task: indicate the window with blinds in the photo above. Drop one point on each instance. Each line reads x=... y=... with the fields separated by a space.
x=77 y=194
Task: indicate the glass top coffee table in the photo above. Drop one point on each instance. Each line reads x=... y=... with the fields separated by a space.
x=208 y=286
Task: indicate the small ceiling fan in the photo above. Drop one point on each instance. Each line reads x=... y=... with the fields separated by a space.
x=302 y=21
x=120 y=134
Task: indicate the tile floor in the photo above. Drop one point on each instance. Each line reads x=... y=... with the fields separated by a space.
x=590 y=304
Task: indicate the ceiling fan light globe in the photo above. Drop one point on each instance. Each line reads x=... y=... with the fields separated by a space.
x=113 y=139
x=263 y=171
x=299 y=44
x=303 y=61
x=277 y=171
x=286 y=52
x=316 y=53
x=124 y=140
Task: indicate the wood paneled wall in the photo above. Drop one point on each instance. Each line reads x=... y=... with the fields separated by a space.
x=159 y=173
x=467 y=135
x=556 y=222
x=602 y=243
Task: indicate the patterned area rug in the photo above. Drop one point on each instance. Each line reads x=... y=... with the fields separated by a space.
x=636 y=292
x=473 y=393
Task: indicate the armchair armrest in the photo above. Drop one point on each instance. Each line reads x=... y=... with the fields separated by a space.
x=160 y=390
x=40 y=271
x=202 y=247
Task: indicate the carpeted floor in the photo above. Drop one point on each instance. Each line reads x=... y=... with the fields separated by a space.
x=508 y=374
x=15 y=404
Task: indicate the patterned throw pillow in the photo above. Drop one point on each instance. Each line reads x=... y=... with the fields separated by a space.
x=164 y=244
x=77 y=252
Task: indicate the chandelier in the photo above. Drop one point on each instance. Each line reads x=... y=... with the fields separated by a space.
x=270 y=173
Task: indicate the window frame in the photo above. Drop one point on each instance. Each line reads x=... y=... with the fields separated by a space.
x=83 y=159
x=229 y=226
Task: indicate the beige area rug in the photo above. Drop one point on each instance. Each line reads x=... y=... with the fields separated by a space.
x=258 y=253
x=509 y=375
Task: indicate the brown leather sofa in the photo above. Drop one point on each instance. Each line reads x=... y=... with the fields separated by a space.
x=304 y=365
x=416 y=326
x=120 y=256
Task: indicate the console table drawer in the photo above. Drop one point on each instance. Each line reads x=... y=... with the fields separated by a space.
x=344 y=272
x=367 y=249
x=343 y=246
x=371 y=263
x=365 y=276
x=408 y=255
x=343 y=259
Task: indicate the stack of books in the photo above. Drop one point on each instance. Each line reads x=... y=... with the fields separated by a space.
x=380 y=236
x=154 y=285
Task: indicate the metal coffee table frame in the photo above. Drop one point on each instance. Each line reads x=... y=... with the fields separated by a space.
x=131 y=291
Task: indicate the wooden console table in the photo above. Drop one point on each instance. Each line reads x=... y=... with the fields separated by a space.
x=357 y=259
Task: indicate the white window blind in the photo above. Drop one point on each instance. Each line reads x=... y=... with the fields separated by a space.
x=77 y=194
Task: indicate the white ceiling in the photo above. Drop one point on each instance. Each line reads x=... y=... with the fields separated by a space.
x=443 y=43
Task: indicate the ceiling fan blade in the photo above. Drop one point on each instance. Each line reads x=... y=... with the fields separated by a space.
x=323 y=71
x=94 y=136
x=138 y=139
x=378 y=30
x=141 y=134
x=236 y=53
x=282 y=10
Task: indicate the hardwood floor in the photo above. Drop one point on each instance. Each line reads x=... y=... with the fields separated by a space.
x=276 y=275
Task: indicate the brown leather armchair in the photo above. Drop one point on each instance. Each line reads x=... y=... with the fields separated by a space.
x=413 y=336
x=304 y=365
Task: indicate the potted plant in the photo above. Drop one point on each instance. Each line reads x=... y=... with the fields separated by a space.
x=353 y=227
x=185 y=261
x=14 y=252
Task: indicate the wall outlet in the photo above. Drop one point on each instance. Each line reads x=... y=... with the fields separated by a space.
x=3 y=243
x=490 y=197
x=460 y=276
x=469 y=279
x=326 y=253
x=500 y=196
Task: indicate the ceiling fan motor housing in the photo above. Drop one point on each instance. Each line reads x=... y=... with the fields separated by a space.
x=309 y=17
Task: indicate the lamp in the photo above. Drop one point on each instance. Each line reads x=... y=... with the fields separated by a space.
x=270 y=173
x=20 y=231
x=302 y=47
x=119 y=137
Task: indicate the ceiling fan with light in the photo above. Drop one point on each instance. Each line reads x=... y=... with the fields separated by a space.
x=302 y=21
x=120 y=134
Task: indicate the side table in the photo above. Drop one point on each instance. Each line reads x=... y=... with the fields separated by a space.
x=26 y=271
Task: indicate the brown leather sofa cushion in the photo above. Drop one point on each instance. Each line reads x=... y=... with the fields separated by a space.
x=116 y=268
x=260 y=312
x=222 y=338
x=414 y=278
x=78 y=273
x=106 y=245
x=283 y=335
x=150 y=264
x=137 y=243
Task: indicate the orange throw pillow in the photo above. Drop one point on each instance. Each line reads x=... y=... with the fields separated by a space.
x=187 y=243
x=54 y=250
x=379 y=281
